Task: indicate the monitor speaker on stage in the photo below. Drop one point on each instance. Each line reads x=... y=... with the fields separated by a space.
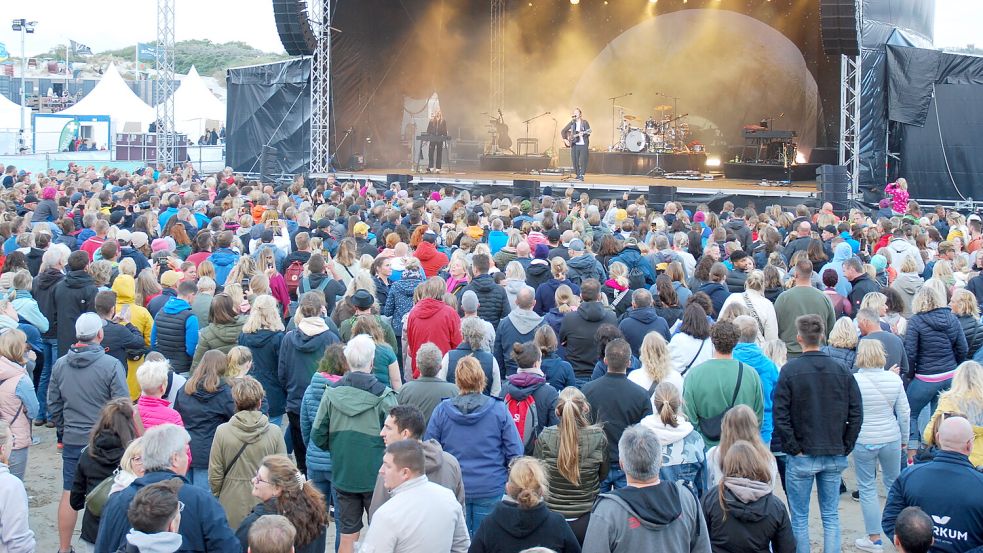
x=659 y=196
x=527 y=189
x=824 y=156
x=833 y=184
x=403 y=180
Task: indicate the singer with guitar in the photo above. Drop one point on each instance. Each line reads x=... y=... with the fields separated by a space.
x=576 y=136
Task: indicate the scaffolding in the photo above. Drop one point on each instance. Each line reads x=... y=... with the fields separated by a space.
x=320 y=18
x=850 y=119
x=165 y=85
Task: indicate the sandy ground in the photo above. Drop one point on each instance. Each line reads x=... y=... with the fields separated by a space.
x=43 y=482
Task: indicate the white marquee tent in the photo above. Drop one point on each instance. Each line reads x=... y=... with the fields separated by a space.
x=113 y=97
x=10 y=114
x=195 y=107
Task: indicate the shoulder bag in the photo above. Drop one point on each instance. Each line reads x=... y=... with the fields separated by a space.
x=710 y=427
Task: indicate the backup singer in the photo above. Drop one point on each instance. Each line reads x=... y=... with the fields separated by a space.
x=437 y=127
x=576 y=135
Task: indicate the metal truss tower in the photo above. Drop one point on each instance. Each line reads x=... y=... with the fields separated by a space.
x=850 y=72
x=164 y=86
x=320 y=18
x=496 y=77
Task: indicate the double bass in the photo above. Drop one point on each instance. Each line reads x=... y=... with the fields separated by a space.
x=502 y=131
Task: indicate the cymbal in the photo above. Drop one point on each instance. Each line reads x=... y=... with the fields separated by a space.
x=630 y=117
x=663 y=107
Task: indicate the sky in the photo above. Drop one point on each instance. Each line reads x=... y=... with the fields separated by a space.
x=111 y=24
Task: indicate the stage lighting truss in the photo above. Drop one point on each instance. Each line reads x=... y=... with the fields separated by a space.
x=165 y=85
x=320 y=24
x=850 y=73
x=496 y=80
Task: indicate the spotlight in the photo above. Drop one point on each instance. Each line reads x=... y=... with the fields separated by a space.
x=574 y=2
x=653 y=1
x=800 y=158
x=713 y=162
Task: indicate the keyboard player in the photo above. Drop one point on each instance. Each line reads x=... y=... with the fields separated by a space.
x=436 y=127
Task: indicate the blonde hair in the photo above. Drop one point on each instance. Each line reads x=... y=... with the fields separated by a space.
x=741 y=423
x=527 y=483
x=964 y=303
x=909 y=265
x=926 y=299
x=666 y=401
x=843 y=334
x=618 y=272
x=558 y=267
x=564 y=298
x=239 y=357
x=655 y=358
x=874 y=300
x=572 y=409
x=264 y=315
x=128 y=267
x=967 y=391
x=870 y=355
x=133 y=450
x=777 y=351
x=755 y=281
x=514 y=271
x=152 y=375
x=942 y=271
x=12 y=343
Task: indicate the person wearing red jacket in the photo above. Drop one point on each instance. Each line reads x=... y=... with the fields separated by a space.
x=431 y=259
x=432 y=320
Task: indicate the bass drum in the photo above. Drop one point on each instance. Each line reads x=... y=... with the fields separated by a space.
x=636 y=141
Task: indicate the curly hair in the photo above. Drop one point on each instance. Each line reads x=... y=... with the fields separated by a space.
x=299 y=500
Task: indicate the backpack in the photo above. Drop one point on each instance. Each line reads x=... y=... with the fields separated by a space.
x=636 y=278
x=525 y=417
x=292 y=276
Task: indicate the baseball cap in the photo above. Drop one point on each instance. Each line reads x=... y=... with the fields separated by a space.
x=430 y=236
x=361 y=228
x=469 y=302
x=267 y=236
x=161 y=244
x=124 y=235
x=362 y=299
x=830 y=229
x=170 y=278
x=553 y=235
x=577 y=245
x=87 y=326
x=30 y=199
x=139 y=239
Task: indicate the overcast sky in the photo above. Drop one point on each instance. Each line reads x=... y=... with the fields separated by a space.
x=111 y=24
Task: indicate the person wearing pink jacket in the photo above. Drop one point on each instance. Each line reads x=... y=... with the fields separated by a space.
x=152 y=407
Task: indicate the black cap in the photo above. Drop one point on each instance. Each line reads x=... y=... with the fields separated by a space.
x=324 y=223
x=115 y=217
x=830 y=229
x=353 y=208
x=30 y=199
x=430 y=237
x=362 y=299
x=553 y=235
x=267 y=236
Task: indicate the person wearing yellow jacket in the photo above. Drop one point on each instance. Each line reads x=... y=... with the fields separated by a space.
x=964 y=399
x=125 y=288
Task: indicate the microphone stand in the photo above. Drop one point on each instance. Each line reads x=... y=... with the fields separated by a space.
x=526 y=123
x=614 y=114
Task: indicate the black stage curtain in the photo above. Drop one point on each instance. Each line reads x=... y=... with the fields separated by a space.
x=269 y=105
x=928 y=155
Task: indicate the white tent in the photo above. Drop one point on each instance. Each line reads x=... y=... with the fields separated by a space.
x=195 y=107
x=10 y=114
x=113 y=97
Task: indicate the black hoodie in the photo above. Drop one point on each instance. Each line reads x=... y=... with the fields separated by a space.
x=760 y=524
x=97 y=463
x=577 y=335
x=43 y=291
x=510 y=528
x=76 y=295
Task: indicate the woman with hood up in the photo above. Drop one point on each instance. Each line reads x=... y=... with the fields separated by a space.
x=125 y=288
x=841 y=253
x=682 y=446
x=742 y=513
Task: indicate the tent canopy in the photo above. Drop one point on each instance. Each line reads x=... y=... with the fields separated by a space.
x=195 y=106
x=10 y=114
x=113 y=97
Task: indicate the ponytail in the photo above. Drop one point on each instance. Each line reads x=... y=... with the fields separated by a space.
x=666 y=401
x=572 y=409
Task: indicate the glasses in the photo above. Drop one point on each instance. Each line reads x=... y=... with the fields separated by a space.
x=257 y=480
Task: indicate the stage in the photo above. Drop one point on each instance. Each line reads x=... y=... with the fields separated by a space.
x=598 y=185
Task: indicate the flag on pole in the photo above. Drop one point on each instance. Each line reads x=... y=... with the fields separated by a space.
x=79 y=49
x=3 y=52
x=146 y=52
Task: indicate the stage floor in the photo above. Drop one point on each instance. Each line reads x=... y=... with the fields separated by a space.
x=630 y=183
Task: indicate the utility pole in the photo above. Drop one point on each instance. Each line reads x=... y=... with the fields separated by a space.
x=24 y=27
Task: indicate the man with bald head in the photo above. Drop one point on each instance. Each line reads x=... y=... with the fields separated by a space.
x=803 y=231
x=948 y=488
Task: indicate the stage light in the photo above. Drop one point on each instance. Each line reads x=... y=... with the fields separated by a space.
x=713 y=162
x=653 y=1
x=800 y=158
x=574 y=2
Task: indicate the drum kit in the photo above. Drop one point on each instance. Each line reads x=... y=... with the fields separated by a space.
x=661 y=133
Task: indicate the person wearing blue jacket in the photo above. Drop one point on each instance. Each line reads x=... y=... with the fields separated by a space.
x=262 y=334
x=559 y=373
x=948 y=488
x=224 y=257
x=748 y=352
x=841 y=253
x=479 y=432
x=716 y=288
x=641 y=319
x=203 y=526
x=546 y=292
x=631 y=256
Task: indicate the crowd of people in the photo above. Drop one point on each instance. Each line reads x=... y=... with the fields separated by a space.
x=236 y=366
